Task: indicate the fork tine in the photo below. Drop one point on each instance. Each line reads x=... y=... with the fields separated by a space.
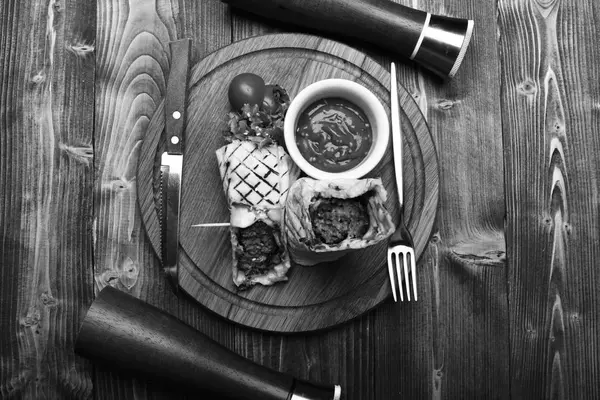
x=405 y=268
x=400 y=290
x=391 y=271
x=413 y=272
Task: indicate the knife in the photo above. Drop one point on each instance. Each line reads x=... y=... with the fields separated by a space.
x=171 y=167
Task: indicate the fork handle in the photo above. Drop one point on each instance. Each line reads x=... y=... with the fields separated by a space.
x=436 y=42
x=396 y=136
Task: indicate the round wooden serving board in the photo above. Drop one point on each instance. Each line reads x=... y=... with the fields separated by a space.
x=314 y=297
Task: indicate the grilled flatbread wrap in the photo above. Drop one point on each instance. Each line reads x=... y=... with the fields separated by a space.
x=305 y=245
x=256 y=181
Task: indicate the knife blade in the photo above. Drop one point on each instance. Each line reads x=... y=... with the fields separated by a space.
x=172 y=158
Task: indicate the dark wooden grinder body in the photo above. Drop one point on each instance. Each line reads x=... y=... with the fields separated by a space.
x=130 y=334
x=390 y=26
x=381 y=22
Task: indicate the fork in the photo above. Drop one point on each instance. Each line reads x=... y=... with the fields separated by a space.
x=400 y=246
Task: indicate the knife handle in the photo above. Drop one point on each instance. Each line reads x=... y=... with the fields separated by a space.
x=176 y=95
x=436 y=42
x=121 y=330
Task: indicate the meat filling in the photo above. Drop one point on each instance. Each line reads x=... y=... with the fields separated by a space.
x=334 y=220
x=260 y=250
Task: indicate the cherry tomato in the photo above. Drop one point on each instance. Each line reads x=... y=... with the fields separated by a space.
x=246 y=88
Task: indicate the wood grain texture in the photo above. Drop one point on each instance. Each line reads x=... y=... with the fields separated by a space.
x=46 y=114
x=133 y=64
x=550 y=117
x=460 y=322
x=315 y=298
x=452 y=344
x=132 y=60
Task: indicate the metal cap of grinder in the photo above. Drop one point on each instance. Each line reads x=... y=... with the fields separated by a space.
x=438 y=43
x=442 y=44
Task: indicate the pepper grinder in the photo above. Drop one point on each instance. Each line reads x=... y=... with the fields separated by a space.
x=436 y=42
x=125 y=332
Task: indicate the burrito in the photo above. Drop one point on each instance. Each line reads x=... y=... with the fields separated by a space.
x=256 y=181
x=326 y=219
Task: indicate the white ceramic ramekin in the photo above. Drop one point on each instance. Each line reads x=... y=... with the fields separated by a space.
x=355 y=93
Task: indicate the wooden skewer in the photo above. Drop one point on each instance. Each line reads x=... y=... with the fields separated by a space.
x=211 y=224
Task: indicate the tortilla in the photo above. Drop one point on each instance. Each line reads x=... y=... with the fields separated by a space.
x=304 y=246
x=256 y=181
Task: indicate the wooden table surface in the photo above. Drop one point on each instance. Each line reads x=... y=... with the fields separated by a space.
x=509 y=304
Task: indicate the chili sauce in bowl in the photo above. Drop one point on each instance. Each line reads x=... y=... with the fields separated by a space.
x=336 y=128
x=333 y=134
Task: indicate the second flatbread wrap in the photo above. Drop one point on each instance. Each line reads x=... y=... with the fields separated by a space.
x=305 y=241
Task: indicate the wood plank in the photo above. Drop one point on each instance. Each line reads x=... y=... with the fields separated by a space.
x=46 y=113
x=133 y=65
x=132 y=62
x=550 y=107
x=458 y=331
